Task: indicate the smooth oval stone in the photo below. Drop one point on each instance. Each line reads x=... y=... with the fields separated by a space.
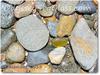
x=86 y=7
x=7 y=37
x=52 y=28
x=40 y=4
x=59 y=42
x=7 y=15
x=65 y=25
x=15 y=68
x=84 y=44
x=14 y=2
x=24 y=9
x=32 y=33
x=15 y=53
x=66 y=7
x=42 y=68
x=57 y=55
x=47 y=11
x=39 y=57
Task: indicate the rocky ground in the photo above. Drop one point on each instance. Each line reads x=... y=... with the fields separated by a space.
x=49 y=36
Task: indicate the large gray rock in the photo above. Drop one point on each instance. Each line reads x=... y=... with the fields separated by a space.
x=7 y=37
x=39 y=57
x=7 y=15
x=32 y=33
x=84 y=44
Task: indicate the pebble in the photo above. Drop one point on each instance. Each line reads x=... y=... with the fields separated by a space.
x=34 y=31
x=2 y=57
x=86 y=7
x=65 y=25
x=57 y=55
x=7 y=37
x=24 y=9
x=3 y=64
x=15 y=68
x=95 y=1
x=40 y=4
x=84 y=44
x=39 y=57
x=14 y=2
x=47 y=11
x=42 y=68
x=7 y=16
x=60 y=42
x=15 y=53
x=66 y=7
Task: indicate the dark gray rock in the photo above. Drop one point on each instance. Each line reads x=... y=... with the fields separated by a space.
x=7 y=15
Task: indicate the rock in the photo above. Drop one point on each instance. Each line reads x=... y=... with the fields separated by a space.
x=59 y=42
x=15 y=53
x=14 y=2
x=39 y=57
x=3 y=64
x=65 y=25
x=24 y=9
x=2 y=57
x=95 y=1
x=7 y=37
x=15 y=68
x=47 y=11
x=84 y=44
x=66 y=7
x=7 y=16
x=57 y=55
x=42 y=68
x=40 y=4
x=34 y=31
x=52 y=28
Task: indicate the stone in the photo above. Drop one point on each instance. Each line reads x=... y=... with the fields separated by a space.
x=7 y=15
x=3 y=64
x=40 y=4
x=15 y=53
x=39 y=57
x=59 y=42
x=15 y=68
x=57 y=55
x=24 y=9
x=2 y=56
x=14 y=2
x=66 y=7
x=7 y=37
x=65 y=25
x=95 y=1
x=84 y=44
x=32 y=33
x=47 y=11
x=42 y=68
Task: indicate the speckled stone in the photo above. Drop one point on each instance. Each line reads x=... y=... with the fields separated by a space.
x=7 y=15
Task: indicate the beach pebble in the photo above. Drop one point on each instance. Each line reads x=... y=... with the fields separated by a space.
x=84 y=44
x=32 y=33
x=42 y=68
x=39 y=57
x=7 y=37
x=24 y=9
x=47 y=11
x=57 y=55
x=15 y=53
x=7 y=15
x=14 y=2
x=3 y=64
x=66 y=7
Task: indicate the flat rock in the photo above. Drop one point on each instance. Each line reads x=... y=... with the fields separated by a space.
x=7 y=37
x=57 y=55
x=7 y=15
x=15 y=53
x=32 y=33
x=84 y=44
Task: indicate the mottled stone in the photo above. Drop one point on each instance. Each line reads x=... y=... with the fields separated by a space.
x=7 y=37
x=15 y=53
x=42 y=68
x=84 y=44
x=32 y=33
x=7 y=15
